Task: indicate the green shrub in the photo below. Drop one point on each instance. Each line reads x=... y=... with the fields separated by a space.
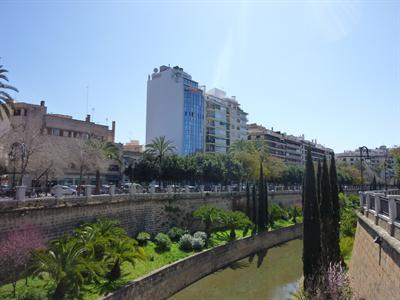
x=200 y=234
x=142 y=238
x=346 y=246
x=163 y=242
x=197 y=243
x=186 y=242
x=277 y=213
x=175 y=233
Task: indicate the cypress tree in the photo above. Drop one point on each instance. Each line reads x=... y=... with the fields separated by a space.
x=325 y=212
x=266 y=203
x=261 y=201
x=311 y=229
x=336 y=257
x=319 y=171
x=248 y=210
x=374 y=185
x=254 y=207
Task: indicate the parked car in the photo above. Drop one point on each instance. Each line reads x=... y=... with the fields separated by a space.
x=82 y=188
x=127 y=186
x=65 y=190
x=6 y=191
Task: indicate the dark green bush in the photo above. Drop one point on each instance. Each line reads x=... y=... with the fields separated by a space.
x=198 y=243
x=175 y=233
x=142 y=238
x=163 y=242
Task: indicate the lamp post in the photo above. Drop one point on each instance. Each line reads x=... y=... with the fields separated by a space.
x=363 y=150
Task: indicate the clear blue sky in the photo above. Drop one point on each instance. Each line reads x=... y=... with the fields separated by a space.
x=328 y=69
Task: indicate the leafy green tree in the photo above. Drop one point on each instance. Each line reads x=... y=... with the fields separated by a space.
x=234 y=220
x=65 y=263
x=335 y=239
x=130 y=172
x=319 y=176
x=311 y=229
x=6 y=104
x=122 y=250
x=209 y=215
x=159 y=148
x=145 y=170
x=325 y=212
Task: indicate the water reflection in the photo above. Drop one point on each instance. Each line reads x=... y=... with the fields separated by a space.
x=269 y=274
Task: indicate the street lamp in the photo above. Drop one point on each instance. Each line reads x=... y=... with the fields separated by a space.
x=363 y=150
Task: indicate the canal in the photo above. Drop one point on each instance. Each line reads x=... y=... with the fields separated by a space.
x=272 y=274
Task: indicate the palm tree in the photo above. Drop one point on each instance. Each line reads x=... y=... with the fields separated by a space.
x=122 y=250
x=65 y=263
x=208 y=215
x=6 y=104
x=103 y=150
x=159 y=148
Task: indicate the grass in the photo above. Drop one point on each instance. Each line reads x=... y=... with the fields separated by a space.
x=38 y=288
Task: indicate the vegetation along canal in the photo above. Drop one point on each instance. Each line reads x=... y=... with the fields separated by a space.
x=275 y=278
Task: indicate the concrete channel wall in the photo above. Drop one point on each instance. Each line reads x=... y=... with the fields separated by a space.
x=168 y=280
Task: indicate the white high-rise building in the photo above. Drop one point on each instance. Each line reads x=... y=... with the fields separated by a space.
x=175 y=109
x=225 y=123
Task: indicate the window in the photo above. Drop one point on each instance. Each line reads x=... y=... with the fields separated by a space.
x=17 y=112
x=55 y=131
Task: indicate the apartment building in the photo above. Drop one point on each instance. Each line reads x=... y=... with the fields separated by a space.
x=225 y=121
x=63 y=130
x=289 y=148
x=175 y=109
x=191 y=118
x=378 y=160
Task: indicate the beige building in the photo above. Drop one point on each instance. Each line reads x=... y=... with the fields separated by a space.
x=65 y=132
x=291 y=149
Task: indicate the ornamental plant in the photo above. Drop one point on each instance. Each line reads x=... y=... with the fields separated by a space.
x=200 y=234
x=186 y=242
x=16 y=250
x=198 y=243
x=142 y=238
x=163 y=242
x=175 y=233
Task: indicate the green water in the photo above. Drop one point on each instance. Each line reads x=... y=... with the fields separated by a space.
x=275 y=278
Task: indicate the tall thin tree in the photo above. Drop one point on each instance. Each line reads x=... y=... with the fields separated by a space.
x=335 y=240
x=261 y=201
x=325 y=212
x=311 y=230
x=254 y=207
x=248 y=210
x=319 y=174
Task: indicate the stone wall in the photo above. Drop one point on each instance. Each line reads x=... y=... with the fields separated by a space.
x=166 y=281
x=137 y=212
x=374 y=268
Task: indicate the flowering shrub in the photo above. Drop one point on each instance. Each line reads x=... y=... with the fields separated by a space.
x=16 y=249
x=185 y=242
x=337 y=283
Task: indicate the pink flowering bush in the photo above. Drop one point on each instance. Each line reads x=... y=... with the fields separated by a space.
x=16 y=249
x=336 y=283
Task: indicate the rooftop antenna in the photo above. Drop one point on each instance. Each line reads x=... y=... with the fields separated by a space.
x=87 y=99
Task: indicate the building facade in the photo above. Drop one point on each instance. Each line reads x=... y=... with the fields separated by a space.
x=225 y=121
x=193 y=120
x=175 y=109
x=65 y=132
x=291 y=149
x=379 y=162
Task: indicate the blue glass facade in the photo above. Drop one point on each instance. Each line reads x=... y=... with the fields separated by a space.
x=193 y=118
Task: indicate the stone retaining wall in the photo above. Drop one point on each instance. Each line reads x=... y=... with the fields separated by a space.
x=374 y=268
x=166 y=281
x=138 y=212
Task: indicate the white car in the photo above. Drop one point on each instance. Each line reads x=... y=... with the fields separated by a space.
x=65 y=190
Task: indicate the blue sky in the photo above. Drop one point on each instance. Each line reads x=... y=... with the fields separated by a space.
x=328 y=69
